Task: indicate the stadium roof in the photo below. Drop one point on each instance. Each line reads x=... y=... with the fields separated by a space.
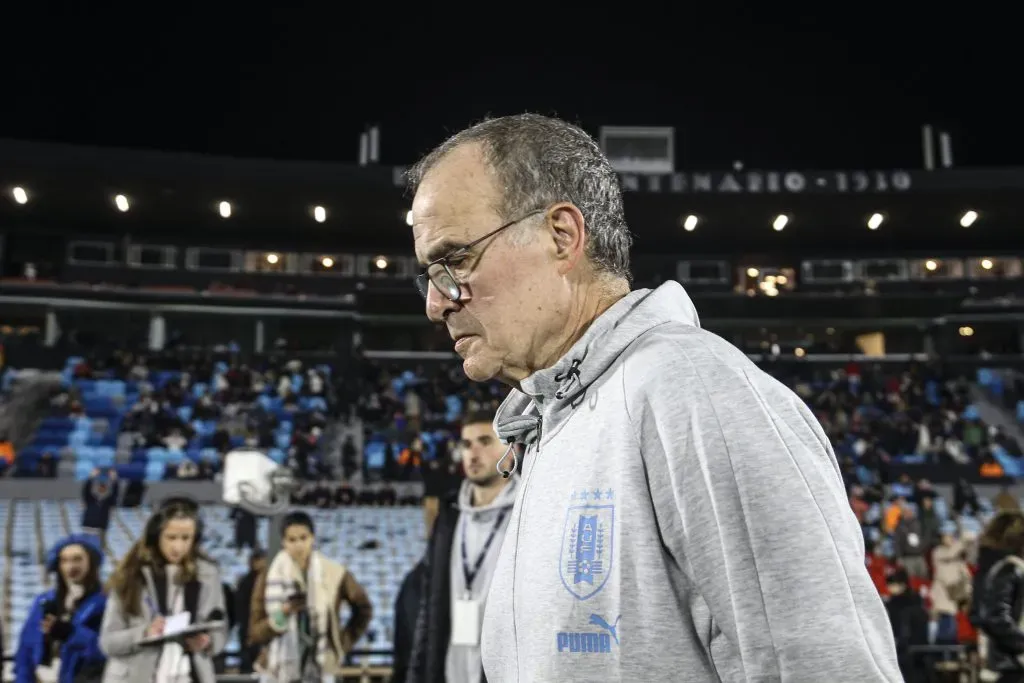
x=174 y=195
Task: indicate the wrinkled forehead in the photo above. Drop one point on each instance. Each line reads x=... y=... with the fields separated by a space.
x=454 y=205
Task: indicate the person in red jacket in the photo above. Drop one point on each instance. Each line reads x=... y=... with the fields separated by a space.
x=878 y=568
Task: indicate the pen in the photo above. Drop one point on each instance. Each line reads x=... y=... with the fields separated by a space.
x=152 y=606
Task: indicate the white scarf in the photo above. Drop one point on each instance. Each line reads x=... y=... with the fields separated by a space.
x=175 y=665
x=283 y=655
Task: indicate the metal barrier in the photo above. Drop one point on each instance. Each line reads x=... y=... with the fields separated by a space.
x=946 y=662
x=349 y=674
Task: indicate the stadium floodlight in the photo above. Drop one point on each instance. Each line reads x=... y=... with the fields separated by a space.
x=967 y=220
x=690 y=223
x=408 y=218
x=381 y=262
x=987 y=264
x=225 y=209
x=121 y=202
x=780 y=222
x=319 y=214
x=875 y=221
x=327 y=262
x=20 y=195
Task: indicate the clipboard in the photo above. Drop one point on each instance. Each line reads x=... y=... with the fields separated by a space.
x=190 y=630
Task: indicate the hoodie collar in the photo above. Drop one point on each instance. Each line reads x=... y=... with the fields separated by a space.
x=505 y=498
x=547 y=397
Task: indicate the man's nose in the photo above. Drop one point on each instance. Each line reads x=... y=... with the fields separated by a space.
x=438 y=305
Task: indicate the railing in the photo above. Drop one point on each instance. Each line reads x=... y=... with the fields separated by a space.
x=349 y=674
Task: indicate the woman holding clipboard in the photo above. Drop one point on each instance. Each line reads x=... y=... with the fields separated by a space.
x=165 y=609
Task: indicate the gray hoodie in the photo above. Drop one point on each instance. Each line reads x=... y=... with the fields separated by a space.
x=462 y=662
x=681 y=518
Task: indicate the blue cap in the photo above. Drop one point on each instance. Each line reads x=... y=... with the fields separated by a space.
x=88 y=541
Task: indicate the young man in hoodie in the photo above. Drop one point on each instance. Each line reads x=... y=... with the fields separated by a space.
x=682 y=514
x=460 y=561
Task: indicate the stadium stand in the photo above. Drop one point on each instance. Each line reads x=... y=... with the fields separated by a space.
x=379 y=545
x=167 y=418
x=129 y=327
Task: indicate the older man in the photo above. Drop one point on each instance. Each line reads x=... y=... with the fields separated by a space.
x=681 y=516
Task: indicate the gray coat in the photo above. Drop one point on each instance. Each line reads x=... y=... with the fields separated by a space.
x=129 y=662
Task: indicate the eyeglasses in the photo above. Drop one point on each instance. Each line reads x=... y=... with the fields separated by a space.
x=439 y=272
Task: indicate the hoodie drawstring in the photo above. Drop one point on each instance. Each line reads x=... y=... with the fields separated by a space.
x=524 y=429
x=568 y=379
x=515 y=461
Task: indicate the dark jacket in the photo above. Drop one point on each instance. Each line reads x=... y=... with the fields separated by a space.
x=996 y=611
x=97 y=507
x=243 y=600
x=407 y=610
x=909 y=620
x=434 y=623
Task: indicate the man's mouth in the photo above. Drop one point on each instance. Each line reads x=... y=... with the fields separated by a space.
x=462 y=342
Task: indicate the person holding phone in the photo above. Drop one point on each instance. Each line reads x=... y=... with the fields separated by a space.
x=60 y=639
x=295 y=607
x=164 y=576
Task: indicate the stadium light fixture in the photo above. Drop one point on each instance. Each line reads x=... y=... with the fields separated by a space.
x=319 y=214
x=780 y=222
x=987 y=264
x=19 y=194
x=327 y=262
x=380 y=262
x=272 y=259
x=121 y=202
x=408 y=218
x=875 y=222
x=690 y=223
x=225 y=209
x=967 y=220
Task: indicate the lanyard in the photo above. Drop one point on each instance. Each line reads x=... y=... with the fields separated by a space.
x=470 y=574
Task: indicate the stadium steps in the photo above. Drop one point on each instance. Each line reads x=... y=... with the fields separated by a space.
x=65 y=520
x=40 y=544
x=993 y=414
x=119 y=521
x=7 y=508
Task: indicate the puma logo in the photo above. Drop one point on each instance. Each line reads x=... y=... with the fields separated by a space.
x=613 y=629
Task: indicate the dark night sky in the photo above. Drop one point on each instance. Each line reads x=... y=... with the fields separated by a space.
x=847 y=87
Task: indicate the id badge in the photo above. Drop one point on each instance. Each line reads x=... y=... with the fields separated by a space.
x=466 y=622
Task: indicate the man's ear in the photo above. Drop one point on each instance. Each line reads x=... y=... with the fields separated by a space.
x=568 y=235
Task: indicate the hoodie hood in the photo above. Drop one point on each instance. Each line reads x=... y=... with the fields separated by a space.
x=87 y=541
x=505 y=499
x=548 y=397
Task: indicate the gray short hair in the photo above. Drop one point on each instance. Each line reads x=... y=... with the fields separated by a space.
x=540 y=161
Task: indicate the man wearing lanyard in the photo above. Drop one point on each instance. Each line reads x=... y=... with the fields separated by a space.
x=460 y=560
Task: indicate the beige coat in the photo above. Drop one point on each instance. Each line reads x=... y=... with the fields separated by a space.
x=952 y=579
x=346 y=590
x=130 y=662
